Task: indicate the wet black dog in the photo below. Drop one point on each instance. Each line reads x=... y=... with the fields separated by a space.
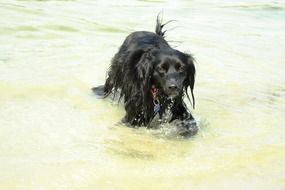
x=152 y=78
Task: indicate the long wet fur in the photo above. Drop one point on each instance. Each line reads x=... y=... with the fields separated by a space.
x=130 y=74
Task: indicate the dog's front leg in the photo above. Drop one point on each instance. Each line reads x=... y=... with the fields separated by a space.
x=134 y=115
x=184 y=121
x=187 y=127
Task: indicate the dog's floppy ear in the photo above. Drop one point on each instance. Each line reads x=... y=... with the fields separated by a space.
x=144 y=68
x=190 y=81
x=142 y=61
x=140 y=67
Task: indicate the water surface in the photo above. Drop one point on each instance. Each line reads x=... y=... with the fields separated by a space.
x=54 y=134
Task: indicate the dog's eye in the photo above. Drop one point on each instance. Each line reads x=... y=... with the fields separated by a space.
x=165 y=67
x=178 y=67
x=160 y=70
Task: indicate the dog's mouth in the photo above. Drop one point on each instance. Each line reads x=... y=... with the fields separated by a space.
x=172 y=93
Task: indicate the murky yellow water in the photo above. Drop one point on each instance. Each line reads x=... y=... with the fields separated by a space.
x=54 y=134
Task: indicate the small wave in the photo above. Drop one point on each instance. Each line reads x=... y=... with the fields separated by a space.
x=268 y=7
x=63 y=28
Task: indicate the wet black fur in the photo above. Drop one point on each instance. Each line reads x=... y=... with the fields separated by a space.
x=131 y=74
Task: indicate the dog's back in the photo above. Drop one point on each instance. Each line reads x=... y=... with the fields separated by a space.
x=144 y=39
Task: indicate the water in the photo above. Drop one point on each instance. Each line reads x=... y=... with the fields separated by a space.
x=54 y=134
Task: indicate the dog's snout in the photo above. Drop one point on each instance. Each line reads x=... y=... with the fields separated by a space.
x=172 y=87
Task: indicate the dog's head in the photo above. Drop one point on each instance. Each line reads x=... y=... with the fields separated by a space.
x=171 y=71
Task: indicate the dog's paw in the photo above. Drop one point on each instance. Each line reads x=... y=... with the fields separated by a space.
x=186 y=128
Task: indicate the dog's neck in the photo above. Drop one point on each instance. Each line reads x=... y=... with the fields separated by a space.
x=154 y=92
x=162 y=104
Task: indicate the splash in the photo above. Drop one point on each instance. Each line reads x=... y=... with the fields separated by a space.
x=166 y=117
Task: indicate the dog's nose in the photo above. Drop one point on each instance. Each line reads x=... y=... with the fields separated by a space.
x=172 y=87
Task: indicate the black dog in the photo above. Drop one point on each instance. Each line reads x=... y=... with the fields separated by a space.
x=152 y=78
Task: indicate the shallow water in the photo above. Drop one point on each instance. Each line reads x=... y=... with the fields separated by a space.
x=54 y=134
